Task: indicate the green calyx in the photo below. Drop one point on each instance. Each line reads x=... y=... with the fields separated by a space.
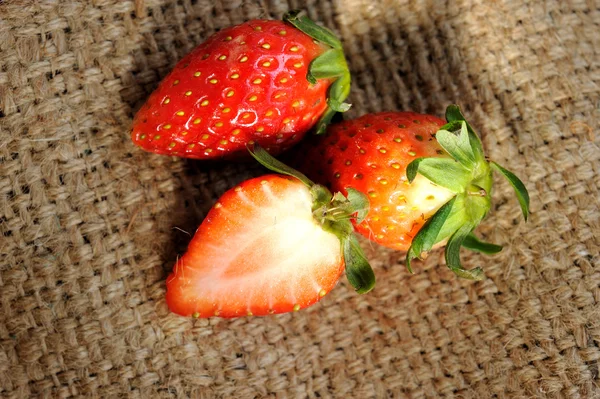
x=330 y=65
x=334 y=212
x=468 y=174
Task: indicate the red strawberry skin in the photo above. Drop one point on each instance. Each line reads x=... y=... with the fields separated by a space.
x=258 y=252
x=245 y=83
x=371 y=154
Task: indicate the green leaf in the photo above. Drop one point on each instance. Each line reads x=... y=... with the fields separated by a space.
x=359 y=203
x=324 y=121
x=475 y=244
x=338 y=92
x=445 y=172
x=427 y=236
x=453 y=115
x=269 y=162
x=517 y=184
x=330 y=64
x=358 y=271
x=458 y=146
x=321 y=196
x=313 y=30
x=452 y=255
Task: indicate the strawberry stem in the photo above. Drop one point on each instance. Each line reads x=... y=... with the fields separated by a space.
x=331 y=65
x=468 y=174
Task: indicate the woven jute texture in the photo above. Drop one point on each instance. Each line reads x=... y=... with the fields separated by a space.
x=90 y=225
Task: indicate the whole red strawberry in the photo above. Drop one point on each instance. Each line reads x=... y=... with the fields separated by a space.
x=427 y=180
x=263 y=81
x=273 y=244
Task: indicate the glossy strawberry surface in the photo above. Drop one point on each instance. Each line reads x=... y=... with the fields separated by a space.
x=370 y=154
x=244 y=84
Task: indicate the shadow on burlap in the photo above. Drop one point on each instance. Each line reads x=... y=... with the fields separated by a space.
x=90 y=225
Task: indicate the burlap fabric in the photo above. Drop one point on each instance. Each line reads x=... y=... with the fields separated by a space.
x=90 y=225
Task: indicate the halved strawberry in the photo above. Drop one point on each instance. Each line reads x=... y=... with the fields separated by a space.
x=273 y=244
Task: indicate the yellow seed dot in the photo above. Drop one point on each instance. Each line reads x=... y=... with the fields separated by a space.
x=296 y=104
x=298 y=65
x=322 y=293
x=294 y=49
x=283 y=80
x=296 y=307
x=184 y=133
x=373 y=166
x=271 y=311
x=223 y=57
x=250 y=313
x=235 y=76
x=167 y=126
x=204 y=103
x=180 y=113
x=282 y=32
x=279 y=136
x=218 y=204
x=269 y=113
x=390 y=227
x=243 y=42
x=402 y=198
x=188 y=93
x=362 y=151
x=204 y=136
x=236 y=132
x=277 y=95
x=258 y=28
x=286 y=120
x=175 y=82
x=257 y=81
x=396 y=166
x=429 y=197
x=337 y=175
x=401 y=215
x=166 y=100
x=205 y=56
x=263 y=182
x=380 y=236
x=223 y=142
x=246 y=116
x=372 y=194
x=230 y=93
x=196 y=315
x=214 y=81
x=190 y=146
x=244 y=59
x=228 y=38
x=266 y=64
x=208 y=150
x=253 y=98
x=348 y=162
x=197 y=121
x=142 y=137
x=382 y=150
x=172 y=144
x=260 y=129
x=197 y=73
x=383 y=181
x=251 y=142
x=385 y=208
x=219 y=124
x=217 y=313
x=412 y=153
x=238 y=189
x=415 y=208
x=375 y=218
x=266 y=45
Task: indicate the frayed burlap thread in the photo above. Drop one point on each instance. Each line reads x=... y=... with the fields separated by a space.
x=90 y=225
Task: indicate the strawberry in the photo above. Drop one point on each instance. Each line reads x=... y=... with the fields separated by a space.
x=263 y=81
x=274 y=244
x=427 y=180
